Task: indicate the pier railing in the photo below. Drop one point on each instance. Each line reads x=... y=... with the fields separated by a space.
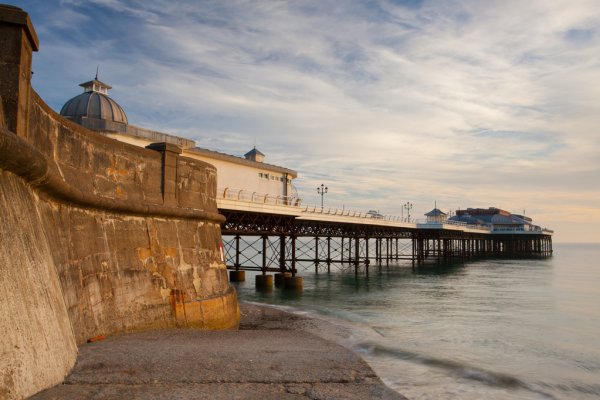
x=522 y=229
x=354 y=214
x=423 y=223
x=292 y=205
x=257 y=197
x=244 y=195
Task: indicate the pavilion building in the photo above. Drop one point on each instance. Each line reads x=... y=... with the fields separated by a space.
x=499 y=220
x=95 y=110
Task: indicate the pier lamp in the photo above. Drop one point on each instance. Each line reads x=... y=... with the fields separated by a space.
x=322 y=190
x=408 y=207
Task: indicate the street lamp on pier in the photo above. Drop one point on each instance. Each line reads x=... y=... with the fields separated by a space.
x=322 y=190
x=408 y=207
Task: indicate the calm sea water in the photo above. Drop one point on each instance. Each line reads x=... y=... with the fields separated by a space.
x=491 y=329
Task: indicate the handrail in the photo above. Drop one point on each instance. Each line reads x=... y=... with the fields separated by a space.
x=293 y=201
x=256 y=197
x=344 y=212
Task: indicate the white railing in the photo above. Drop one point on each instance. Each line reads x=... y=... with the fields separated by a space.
x=292 y=201
x=354 y=214
x=455 y=223
x=446 y=222
x=256 y=197
x=523 y=228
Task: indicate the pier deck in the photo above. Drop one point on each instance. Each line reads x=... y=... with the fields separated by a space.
x=274 y=235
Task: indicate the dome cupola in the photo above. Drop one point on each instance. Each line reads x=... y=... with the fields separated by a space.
x=94 y=109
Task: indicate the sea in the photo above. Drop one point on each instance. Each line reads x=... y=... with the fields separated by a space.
x=479 y=329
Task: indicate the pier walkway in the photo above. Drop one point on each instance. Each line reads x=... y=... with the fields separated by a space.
x=275 y=234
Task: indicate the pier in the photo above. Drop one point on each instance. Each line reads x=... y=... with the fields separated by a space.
x=274 y=234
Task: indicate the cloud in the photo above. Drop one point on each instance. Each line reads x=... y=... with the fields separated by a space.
x=465 y=102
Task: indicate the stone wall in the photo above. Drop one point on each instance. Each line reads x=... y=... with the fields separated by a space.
x=97 y=237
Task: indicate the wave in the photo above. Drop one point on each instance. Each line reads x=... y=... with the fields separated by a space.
x=371 y=342
x=458 y=369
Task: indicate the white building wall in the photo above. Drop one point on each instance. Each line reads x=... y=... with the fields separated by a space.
x=251 y=179
x=244 y=177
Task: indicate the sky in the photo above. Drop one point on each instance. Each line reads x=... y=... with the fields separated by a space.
x=451 y=102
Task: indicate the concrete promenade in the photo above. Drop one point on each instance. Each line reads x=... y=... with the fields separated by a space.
x=270 y=357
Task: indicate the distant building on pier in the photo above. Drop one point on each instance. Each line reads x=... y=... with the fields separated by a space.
x=500 y=220
x=436 y=216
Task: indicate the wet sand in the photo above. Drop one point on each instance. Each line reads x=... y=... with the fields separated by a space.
x=274 y=355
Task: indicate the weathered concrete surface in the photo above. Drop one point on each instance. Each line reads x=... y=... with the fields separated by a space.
x=97 y=237
x=17 y=40
x=268 y=360
x=36 y=340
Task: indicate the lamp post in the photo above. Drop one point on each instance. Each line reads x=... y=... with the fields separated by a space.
x=408 y=207
x=322 y=190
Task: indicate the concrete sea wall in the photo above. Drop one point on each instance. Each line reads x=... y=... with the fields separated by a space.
x=97 y=237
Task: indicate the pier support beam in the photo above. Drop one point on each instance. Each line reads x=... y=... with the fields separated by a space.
x=264 y=281
x=328 y=254
x=237 y=276
x=293 y=283
x=293 y=268
x=280 y=278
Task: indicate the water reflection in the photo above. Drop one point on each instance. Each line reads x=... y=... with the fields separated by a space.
x=534 y=320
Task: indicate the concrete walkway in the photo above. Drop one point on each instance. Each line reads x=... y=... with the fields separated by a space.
x=263 y=360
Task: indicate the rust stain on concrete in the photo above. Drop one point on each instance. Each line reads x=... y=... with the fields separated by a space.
x=117 y=174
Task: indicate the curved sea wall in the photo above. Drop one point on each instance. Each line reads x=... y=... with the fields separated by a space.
x=97 y=237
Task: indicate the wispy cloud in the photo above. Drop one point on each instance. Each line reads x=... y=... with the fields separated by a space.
x=468 y=103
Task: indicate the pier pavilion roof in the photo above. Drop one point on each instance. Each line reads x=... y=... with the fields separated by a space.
x=490 y=216
x=95 y=108
x=436 y=212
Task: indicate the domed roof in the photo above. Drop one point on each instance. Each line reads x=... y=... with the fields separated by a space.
x=94 y=103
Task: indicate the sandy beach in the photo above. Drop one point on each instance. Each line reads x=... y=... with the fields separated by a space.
x=274 y=355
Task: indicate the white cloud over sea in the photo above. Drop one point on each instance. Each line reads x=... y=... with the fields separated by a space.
x=470 y=103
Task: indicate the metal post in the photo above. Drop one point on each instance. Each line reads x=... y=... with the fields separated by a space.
x=293 y=255
x=282 y=253
x=264 y=255
x=322 y=190
x=388 y=243
x=237 y=252
x=316 y=255
x=356 y=253
x=408 y=207
x=328 y=254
